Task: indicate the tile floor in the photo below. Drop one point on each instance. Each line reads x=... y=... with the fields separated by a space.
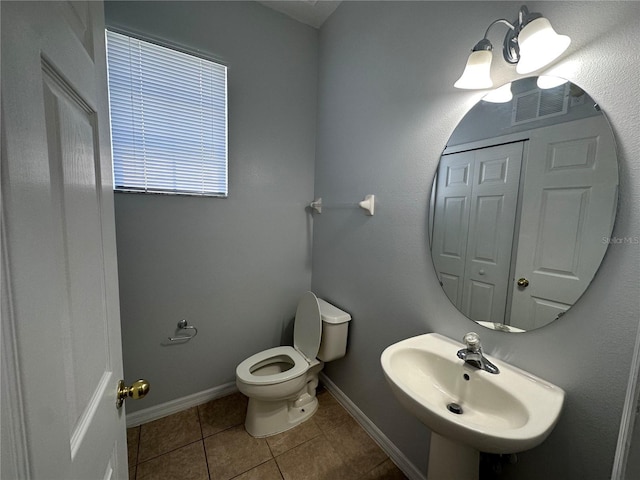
x=209 y=442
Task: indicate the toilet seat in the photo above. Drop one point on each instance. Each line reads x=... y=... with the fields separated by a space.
x=307 y=333
x=244 y=370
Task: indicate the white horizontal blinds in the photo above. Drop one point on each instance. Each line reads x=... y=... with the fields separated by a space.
x=168 y=119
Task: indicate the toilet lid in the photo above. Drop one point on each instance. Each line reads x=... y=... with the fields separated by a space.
x=307 y=328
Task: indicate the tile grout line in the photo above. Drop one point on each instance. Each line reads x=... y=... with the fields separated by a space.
x=339 y=425
x=338 y=453
x=171 y=451
x=269 y=447
x=293 y=448
x=255 y=466
x=137 y=460
x=204 y=448
x=376 y=466
x=278 y=467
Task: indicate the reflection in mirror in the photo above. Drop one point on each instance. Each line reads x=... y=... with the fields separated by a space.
x=523 y=205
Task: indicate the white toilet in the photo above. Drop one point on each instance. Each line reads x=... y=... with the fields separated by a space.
x=281 y=382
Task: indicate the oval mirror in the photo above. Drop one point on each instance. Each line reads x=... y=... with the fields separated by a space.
x=523 y=204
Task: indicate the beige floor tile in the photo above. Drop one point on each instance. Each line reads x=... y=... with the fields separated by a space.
x=330 y=413
x=313 y=460
x=355 y=446
x=168 y=433
x=133 y=443
x=266 y=471
x=385 y=471
x=222 y=413
x=234 y=451
x=292 y=438
x=186 y=463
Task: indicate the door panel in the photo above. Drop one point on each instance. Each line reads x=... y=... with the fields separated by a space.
x=569 y=194
x=476 y=199
x=451 y=222
x=560 y=231
x=70 y=138
x=481 y=298
x=493 y=211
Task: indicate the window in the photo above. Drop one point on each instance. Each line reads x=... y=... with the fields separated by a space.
x=168 y=119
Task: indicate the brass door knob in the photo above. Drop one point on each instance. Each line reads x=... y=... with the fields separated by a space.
x=523 y=282
x=136 y=391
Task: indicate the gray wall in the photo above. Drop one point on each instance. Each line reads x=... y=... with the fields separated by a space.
x=232 y=267
x=386 y=109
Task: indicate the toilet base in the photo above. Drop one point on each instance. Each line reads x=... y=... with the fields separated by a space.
x=269 y=418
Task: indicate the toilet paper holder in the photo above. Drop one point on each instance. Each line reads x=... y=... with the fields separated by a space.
x=183 y=325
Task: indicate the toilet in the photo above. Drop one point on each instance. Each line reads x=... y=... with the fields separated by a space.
x=281 y=382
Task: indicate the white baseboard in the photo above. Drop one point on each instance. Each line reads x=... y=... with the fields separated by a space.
x=403 y=463
x=174 y=406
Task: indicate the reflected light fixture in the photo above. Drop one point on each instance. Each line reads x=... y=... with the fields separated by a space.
x=499 y=95
x=530 y=44
x=546 y=82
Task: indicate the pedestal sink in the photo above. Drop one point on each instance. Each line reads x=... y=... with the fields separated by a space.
x=468 y=410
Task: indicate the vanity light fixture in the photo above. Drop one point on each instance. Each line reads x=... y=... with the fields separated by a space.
x=530 y=44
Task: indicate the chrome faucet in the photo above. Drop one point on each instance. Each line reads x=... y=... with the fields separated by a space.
x=472 y=355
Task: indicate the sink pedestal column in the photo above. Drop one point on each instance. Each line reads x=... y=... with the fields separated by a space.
x=450 y=460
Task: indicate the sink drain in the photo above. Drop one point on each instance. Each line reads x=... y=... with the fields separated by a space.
x=454 y=408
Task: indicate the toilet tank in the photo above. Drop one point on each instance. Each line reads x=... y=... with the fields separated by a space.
x=335 y=327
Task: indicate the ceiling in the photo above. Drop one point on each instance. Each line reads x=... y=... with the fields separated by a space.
x=310 y=12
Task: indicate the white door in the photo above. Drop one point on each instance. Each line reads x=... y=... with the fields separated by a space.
x=476 y=199
x=59 y=258
x=451 y=222
x=568 y=208
x=491 y=226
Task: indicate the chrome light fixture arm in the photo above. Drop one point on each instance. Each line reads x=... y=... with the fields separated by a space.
x=511 y=47
x=495 y=22
x=485 y=43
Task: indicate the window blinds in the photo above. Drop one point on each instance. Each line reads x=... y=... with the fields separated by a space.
x=168 y=119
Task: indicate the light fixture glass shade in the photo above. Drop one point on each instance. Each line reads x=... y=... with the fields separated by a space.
x=476 y=75
x=545 y=82
x=499 y=95
x=539 y=45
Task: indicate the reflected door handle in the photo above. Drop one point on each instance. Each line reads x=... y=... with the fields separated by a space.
x=136 y=391
x=523 y=282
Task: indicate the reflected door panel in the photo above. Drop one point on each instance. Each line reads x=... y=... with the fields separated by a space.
x=476 y=200
x=493 y=211
x=569 y=195
x=451 y=224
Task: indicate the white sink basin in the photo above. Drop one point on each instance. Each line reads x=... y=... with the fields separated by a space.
x=508 y=412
